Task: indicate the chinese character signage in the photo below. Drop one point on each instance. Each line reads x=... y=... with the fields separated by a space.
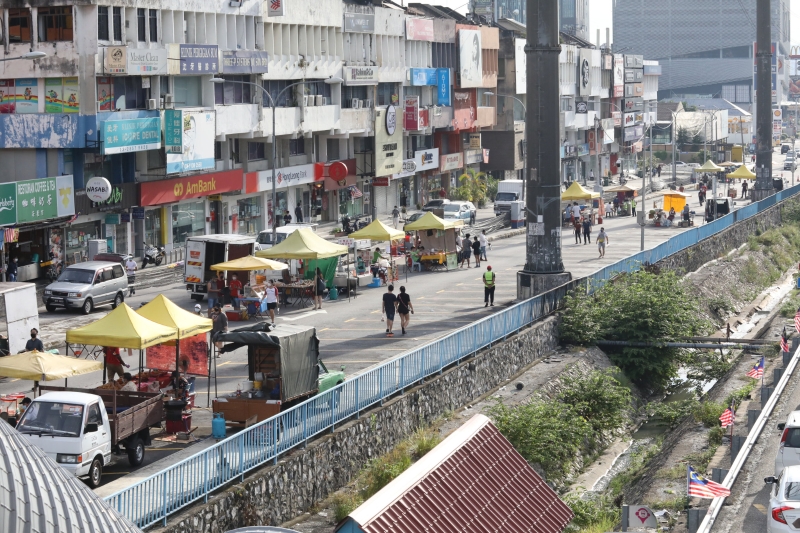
x=173 y=131
x=132 y=135
x=193 y=59
x=443 y=86
x=199 y=130
x=36 y=200
x=244 y=61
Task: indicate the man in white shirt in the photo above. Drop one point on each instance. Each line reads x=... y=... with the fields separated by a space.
x=130 y=267
x=576 y=211
x=483 y=241
x=129 y=384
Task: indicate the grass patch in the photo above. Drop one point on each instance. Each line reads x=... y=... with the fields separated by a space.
x=594 y=513
x=700 y=460
x=790 y=306
x=639 y=460
x=676 y=504
x=674 y=472
x=740 y=394
x=343 y=504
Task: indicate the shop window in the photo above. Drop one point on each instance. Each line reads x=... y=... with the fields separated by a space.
x=386 y=94
x=117 y=12
x=77 y=241
x=156 y=159
x=152 y=227
x=235 y=151
x=129 y=87
x=274 y=88
x=141 y=23
x=55 y=24
x=188 y=220
x=153 y=26
x=333 y=149
x=187 y=91
x=353 y=92
x=412 y=91
x=250 y=221
x=297 y=146
x=234 y=92
x=19 y=25
x=443 y=55
x=217 y=151
x=256 y=151
x=421 y=142
x=317 y=88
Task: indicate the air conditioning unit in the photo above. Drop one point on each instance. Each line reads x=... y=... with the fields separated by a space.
x=355 y=103
x=305 y=100
x=152 y=104
x=368 y=104
x=319 y=100
x=325 y=100
x=360 y=104
x=169 y=101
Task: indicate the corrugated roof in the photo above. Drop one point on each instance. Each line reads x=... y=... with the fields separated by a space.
x=473 y=481
x=38 y=496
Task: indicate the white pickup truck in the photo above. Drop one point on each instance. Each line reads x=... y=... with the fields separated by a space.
x=79 y=430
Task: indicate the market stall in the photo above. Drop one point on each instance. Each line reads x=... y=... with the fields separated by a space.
x=438 y=241
x=282 y=371
x=378 y=231
x=254 y=291
x=675 y=200
x=44 y=366
x=306 y=245
x=741 y=173
x=577 y=192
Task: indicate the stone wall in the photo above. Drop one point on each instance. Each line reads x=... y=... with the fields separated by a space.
x=274 y=494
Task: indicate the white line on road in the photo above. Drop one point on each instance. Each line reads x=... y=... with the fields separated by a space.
x=305 y=315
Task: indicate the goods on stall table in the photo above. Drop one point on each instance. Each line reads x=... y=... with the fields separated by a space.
x=9 y=404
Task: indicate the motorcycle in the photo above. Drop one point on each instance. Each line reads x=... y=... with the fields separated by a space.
x=362 y=221
x=153 y=255
x=347 y=227
x=55 y=267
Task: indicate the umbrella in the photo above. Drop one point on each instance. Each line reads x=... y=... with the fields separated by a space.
x=45 y=366
x=250 y=263
x=743 y=173
x=378 y=231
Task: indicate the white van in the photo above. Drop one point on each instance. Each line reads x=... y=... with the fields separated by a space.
x=264 y=239
x=789 y=451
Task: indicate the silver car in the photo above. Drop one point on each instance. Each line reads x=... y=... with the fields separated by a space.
x=87 y=285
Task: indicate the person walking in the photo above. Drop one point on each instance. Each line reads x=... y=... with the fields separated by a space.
x=488 y=287
x=602 y=240
x=388 y=307
x=633 y=207
x=219 y=324
x=34 y=343
x=472 y=214
x=114 y=363
x=298 y=213
x=271 y=296
x=576 y=210
x=11 y=269
x=484 y=243
x=587 y=231
x=576 y=225
x=404 y=305
x=130 y=268
x=319 y=289
x=476 y=251
x=395 y=217
x=466 y=251
x=591 y=174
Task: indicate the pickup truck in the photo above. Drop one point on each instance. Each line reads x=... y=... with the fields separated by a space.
x=80 y=429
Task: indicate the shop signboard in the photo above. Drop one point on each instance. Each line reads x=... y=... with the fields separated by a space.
x=464 y=110
x=634 y=61
x=629 y=119
x=423 y=76
x=427 y=159
x=451 y=162
x=634 y=89
x=472 y=156
x=474 y=141
x=198 y=143
x=275 y=8
x=408 y=169
x=131 y=135
x=123 y=196
x=520 y=62
x=585 y=72
x=443 y=86
x=633 y=75
x=632 y=104
x=27 y=100
x=147 y=62
x=244 y=61
x=583 y=149
x=388 y=143
x=137 y=213
x=196 y=186
x=380 y=182
x=619 y=68
x=470 y=58
x=37 y=200
x=193 y=59
x=8 y=203
x=115 y=60
x=360 y=75
x=98 y=189
x=359 y=23
x=419 y=29
x=173 y=131
x=113 y=219
x=411 y=114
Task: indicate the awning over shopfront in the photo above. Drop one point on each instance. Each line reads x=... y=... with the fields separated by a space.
x=250 y=263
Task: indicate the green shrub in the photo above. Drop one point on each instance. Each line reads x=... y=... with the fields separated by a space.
x=672 y=413
x=592 y=511
x=424 y=440
x=715 y=435
x=598 y=397
x=343 y=504
x=708 y=413
x=381 y=471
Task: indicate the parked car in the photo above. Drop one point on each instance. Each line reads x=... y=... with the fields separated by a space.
x=680 y=164
x=789 y=451
x=87 y=285
x=264 y=238
x=112 y=257
x=459 y=210
x=414 y=217
x=784 y=500
x=435 y=204
x=328 y=379
x=693 y=165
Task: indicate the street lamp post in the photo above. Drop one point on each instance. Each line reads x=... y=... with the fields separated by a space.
x=272 y=101
x=525 y=134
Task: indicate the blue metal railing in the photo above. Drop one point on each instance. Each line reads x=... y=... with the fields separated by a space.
x=194 y=478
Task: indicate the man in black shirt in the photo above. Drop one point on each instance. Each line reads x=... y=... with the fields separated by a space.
x=287 y=218
x=298 y=213
x=403 y=306
x=389 y=306
x=34 y=343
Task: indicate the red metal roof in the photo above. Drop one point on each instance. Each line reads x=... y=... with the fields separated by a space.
x=474 y=481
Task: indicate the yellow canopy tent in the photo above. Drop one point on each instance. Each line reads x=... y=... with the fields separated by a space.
x=742 y=173
x=431 y=221
x=303 y=244
x=577 y=192
x=45 y=366
x=378 y=231
x=709 y=166
x=621 y=188
x=250 y=263
x=122 y=328
x=727 y=164
x=675 y=199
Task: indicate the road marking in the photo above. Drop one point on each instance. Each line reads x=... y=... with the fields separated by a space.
x=305 y=315
x=232 y=363
x=326 y=329
x=349 y=320
x=421 y=298
x=116 y=473
x=760 y=508
x=441 y=291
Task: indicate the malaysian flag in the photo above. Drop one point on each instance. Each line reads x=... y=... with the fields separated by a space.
x=728 y=417
x=797 y=320
x=757 y=371
x=784 y=341
x=355 y=192
x=700 y=487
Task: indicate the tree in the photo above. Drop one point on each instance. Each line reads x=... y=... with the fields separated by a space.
x=473 y=186
x=684 y=137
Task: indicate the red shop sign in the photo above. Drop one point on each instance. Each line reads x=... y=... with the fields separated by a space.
x=380 y=182
x=197 y=186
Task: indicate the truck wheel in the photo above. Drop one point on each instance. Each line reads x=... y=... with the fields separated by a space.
x=88 y=306
x=135 y=452
x=95 y=473
x=118 y=299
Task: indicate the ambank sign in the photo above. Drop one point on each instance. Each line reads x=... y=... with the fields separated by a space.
x=198 y=186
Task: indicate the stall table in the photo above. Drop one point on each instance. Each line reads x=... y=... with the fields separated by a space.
x=439 y=260
x=298 y=292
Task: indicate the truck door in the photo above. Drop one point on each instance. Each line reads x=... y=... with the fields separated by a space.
x=195 y=260
x=95 y=442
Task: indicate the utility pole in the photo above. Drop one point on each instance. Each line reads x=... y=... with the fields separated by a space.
x=674 y=142
x=598 y=185
x=763 y=186
x=544 y=268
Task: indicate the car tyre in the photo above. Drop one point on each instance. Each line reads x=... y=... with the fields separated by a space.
x=50 y=308
x=88 y=306
x=95 y=473
x=136 y=452
x=118 y=299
